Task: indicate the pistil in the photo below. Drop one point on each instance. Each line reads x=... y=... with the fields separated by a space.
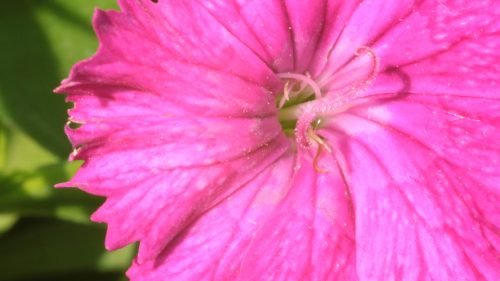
x=303 y=107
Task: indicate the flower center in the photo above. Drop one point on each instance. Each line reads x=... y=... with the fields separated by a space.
x=298 y=90
x=306 y=104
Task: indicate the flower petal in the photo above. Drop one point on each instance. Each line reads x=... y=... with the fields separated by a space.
x=261 y=25
x=426 y=169
x=284 y=33
x=219 y=78
x=169 y=170
x=164 y=125
x=249 y=236
x=361 y=27
x=446 y=47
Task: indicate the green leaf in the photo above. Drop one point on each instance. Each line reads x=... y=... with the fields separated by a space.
x=67 y=26
x=42 y=248
x=22 y=153
x=29 y=73
x=7 y=221
x=40 y=41
x=3 y=146
x=33 y=194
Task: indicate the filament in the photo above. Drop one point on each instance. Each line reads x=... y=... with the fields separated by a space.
x=304 y=79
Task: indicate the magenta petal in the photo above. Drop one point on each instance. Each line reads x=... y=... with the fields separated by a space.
x=425 y=187
x=361 y=28
x=456 y=51
x=154 y=109
x=318 y=245
x=262 y=27
x=165 y=61
x=167 y=188
x=250 y=235
x=386 y=164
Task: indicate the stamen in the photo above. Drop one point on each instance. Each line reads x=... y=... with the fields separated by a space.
x=303 y=84
x=318 y=139
x=305 y=79
x=306 y=113
x=286 y=95
x=321 y=145
x=316 y=160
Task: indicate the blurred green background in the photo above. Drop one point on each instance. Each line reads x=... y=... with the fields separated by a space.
x=45 y=234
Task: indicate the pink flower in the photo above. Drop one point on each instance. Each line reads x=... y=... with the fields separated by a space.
x=295 y=140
